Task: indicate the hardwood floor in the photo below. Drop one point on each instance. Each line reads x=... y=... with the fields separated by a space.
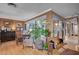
x=10 y=48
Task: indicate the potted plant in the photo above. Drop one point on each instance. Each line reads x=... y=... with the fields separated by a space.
x=38 y=31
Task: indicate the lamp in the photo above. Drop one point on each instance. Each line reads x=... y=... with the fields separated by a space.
x=30 y=30
x=13 y=28
x=56 y=24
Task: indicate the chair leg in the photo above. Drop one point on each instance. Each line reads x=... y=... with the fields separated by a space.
x=23 y=46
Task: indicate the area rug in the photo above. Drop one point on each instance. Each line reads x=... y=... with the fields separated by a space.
x=69 y=52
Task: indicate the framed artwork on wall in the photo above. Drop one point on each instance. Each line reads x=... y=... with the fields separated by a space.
x=19 y=26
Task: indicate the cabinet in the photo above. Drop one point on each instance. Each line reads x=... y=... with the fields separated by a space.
x=7 y=36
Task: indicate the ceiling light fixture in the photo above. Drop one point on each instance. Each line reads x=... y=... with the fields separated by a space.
x=12 y=4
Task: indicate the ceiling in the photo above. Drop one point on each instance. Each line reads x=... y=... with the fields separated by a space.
x=24 y=11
